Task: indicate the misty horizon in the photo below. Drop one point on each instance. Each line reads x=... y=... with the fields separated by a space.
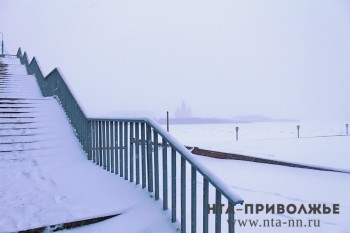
x=286 y=60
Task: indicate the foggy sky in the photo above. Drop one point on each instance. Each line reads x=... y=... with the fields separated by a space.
x=281 y=59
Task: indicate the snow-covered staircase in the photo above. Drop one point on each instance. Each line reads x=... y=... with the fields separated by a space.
x=141 y=158
x=45 y=178
x=20 y=106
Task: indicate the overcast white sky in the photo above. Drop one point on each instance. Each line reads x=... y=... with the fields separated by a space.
x=278 y=58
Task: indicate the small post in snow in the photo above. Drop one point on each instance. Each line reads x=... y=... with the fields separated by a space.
x=2 y=43
x=237 y=128
x=347 y=129
x=298 y=127
x=167 y=121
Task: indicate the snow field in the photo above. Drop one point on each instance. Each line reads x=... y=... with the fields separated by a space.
x=323 y=144
x=270 y=184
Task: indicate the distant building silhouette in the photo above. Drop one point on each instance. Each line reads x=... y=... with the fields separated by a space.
x=183 y=112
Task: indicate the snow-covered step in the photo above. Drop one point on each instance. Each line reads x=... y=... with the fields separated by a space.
x=15 y=82
x=14 y=69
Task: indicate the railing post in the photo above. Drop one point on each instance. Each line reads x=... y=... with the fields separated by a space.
x=149 y=159
x=193 y=200
x=218 y=209
x=126 y=153
x=231 y=218
x=99 y=159
x=112 y=138
x=156 y=164
x=121 y=149
x=89 y=139
x=104 y=155
x=143 y=155
x=116 y=148
x=173 y=184
x=165 y=173
x=132 y=141
x=93 y=141
x=183 y=194
x=205 y=204
x=108 y=145
x=137 y=151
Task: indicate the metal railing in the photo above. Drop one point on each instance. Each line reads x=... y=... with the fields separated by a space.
x=141 y=151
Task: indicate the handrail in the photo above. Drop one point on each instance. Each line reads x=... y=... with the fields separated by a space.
x=131 y=147
x=227 y=192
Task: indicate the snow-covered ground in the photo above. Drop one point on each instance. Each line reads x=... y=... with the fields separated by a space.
x=321 y=144
x=45 y=177
x=270 y=184
x=48 y=180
